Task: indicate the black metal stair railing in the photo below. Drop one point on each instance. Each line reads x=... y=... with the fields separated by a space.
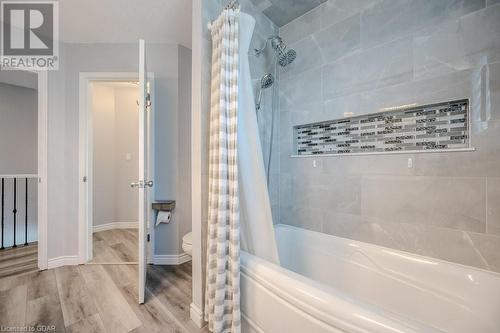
x=5 y=221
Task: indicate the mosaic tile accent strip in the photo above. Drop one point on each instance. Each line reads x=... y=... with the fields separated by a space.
x=430 y=127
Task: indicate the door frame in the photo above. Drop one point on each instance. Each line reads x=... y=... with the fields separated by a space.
x=85 y=172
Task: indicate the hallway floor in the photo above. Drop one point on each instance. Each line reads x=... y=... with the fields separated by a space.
x=18 y=260
x=99 y=298
x=115 y=246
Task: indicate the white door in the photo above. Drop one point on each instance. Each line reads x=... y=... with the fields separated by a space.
x=144 y=183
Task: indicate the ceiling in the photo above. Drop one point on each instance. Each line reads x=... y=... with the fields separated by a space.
x=282 y=12
x=119 y=21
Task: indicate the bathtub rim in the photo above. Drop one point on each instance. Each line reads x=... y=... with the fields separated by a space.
x=344 y=311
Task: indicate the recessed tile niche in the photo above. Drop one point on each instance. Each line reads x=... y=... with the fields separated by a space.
x=442 y=126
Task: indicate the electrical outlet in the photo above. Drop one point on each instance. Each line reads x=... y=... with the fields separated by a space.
x=410 y=163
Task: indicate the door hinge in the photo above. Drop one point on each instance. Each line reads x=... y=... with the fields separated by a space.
x=149 y=238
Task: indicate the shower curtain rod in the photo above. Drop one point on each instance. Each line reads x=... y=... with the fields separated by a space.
x=232 y=4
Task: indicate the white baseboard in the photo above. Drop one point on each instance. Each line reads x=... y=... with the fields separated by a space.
x=63 y=261
x=114 y=225
x=171 y=259
x=196 y=315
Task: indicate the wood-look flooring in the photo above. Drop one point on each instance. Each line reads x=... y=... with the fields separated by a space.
x=19 y=260
x=99 y=298
x=115 y=246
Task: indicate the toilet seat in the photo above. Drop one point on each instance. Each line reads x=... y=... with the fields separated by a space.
x=187 y=243
x=188 y=238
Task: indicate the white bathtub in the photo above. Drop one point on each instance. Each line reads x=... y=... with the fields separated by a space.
x=332 y=284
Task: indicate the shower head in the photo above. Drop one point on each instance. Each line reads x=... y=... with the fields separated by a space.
x=285 y=56
x=266 y=81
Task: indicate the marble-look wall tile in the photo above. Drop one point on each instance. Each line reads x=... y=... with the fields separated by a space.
x=388 y=20
x=483 y=162
x=302 y=27
x=457 y=203
x=489 y=247
x=493 y=206
x=302 y=89
x=283 y=11
x=308 y=56
x=374 y=68
x=334 y=11
x=407 y=52
x=340 y=39
x=369 y=165
x=442 y=243
x=455 y=46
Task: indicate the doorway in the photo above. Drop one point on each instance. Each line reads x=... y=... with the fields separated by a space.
x=115 y=148
x=23 y=169
x=144 y=107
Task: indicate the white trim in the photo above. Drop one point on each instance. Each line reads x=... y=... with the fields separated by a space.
x=389 y=152
x=115 y=225
x=196 y=315
x=85 y=229
x=63 y=261
x=196 y=169
x=171 y=259
x=43 y=125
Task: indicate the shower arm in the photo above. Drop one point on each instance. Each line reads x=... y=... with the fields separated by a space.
x=259 y=51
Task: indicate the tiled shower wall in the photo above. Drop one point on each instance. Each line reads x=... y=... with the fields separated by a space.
x=360 y=56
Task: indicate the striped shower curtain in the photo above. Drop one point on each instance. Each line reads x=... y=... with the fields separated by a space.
x=222 y=294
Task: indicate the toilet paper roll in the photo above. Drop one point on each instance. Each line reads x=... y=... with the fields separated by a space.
x=163 y=217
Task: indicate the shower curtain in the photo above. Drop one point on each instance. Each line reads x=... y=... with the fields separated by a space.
x=257 y=229
x=222 y=296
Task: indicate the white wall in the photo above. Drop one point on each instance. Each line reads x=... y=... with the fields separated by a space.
x=63 y=179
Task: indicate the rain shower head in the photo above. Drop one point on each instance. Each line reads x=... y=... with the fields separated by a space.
x=285 y=56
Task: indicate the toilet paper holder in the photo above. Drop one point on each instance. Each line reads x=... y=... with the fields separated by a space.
x=164 y=205
x=163 y=211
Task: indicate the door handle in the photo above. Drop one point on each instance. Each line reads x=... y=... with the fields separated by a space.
x=142 y=184
x=139 y=184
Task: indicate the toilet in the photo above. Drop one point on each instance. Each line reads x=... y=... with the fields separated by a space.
x=187 y=243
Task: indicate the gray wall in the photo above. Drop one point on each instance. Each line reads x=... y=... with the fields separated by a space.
x=126 y=142
x=18 y=130
x=360 y=56
x=115 y=134
x=18 y=154
x=103 y=146
x=183 y=206
x=63 y=133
